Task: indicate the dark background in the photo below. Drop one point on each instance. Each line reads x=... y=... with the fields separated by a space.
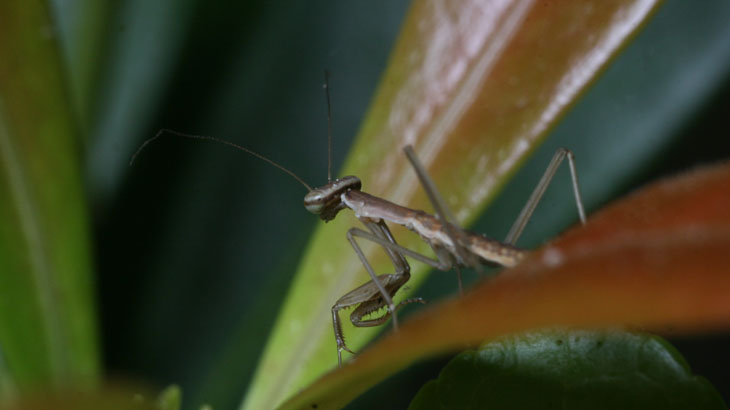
x=196 y=243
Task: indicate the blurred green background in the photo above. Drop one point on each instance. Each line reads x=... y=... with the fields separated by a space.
x=194 y=246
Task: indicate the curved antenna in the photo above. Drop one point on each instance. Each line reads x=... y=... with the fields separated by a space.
x=218 y=140
x=329 y=125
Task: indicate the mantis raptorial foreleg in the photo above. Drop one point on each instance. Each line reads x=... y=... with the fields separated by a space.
x=402 y=269
x=388 y=300
x=367 y=296
x=378 y=292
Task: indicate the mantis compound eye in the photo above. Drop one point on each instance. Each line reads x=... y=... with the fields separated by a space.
x=325 y=200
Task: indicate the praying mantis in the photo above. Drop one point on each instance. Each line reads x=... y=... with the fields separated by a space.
x=452 y=246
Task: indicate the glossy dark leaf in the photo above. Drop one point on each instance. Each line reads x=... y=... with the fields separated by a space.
x=570 y=370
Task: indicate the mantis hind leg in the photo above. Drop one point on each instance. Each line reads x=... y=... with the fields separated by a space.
x=539 y=191
x=456 y=234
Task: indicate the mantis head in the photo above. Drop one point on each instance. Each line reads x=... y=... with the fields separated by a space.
x=326 y=201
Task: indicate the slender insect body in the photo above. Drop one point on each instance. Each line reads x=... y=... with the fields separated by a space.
x=432 y=230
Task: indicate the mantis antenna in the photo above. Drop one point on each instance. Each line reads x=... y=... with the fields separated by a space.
x=329 y=125
x=220 y=141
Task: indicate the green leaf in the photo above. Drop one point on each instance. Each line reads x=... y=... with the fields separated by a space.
x=578 y=369
x=170 y=398
x=47 y=319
